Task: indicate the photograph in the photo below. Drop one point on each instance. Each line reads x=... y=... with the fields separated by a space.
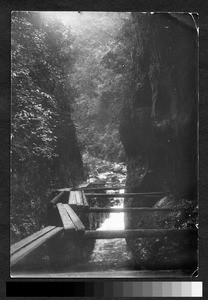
x=104 y=144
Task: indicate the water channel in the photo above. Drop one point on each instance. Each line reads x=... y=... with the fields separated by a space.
x=109 y=254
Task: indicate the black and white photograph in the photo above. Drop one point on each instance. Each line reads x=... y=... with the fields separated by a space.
x=104 y=144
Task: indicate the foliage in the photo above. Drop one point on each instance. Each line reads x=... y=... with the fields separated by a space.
x=100 y=77
x=45 y=154
x=60 y=74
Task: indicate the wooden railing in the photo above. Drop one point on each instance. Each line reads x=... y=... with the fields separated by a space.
x=73 y=226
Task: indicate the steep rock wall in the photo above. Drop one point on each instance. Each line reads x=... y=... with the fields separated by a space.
x=159 y=120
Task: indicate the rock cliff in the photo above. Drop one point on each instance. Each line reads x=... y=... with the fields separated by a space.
x=159 y=121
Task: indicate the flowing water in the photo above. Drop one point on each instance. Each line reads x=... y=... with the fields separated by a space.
x=109 y=254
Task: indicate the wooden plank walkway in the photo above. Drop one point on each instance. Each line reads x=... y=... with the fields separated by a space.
x=26 y=241
x=57 y=198
x=72 y=198
x=84 y=199
x=65 y=218
x=75 y=219
x=73 y=224
x=70 y=220
x=137 y=233
x=125 y=195
x=77 y=198
x=21 y=249
x=106 y=188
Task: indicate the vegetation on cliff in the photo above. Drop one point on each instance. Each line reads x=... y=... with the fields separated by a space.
x=65 y=102
x=45 y=153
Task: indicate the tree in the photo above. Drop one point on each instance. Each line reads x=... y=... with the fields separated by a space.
x=99 y=77
x=45 y=153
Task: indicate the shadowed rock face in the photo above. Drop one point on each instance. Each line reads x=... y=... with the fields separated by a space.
x=167 y=252
x=159 y=123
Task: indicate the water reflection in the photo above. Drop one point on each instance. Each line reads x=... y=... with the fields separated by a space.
x=115 y=220
x=109 y=254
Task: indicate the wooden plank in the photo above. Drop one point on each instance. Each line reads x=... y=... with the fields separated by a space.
x=125 y=195
x=137 y=233
x=72 y=198
x=127 y=209
x=26 y=241
x=112 y=188
x=28 y=248
x=66 y=220
x=63 y=190
x=75 y=219
x=79 y=198
x=83 y=185
x=106 y=188
x=56 y=199
x=84 y=199
x=75 y=197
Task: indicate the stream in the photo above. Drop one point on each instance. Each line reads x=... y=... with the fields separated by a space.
x=109 y=254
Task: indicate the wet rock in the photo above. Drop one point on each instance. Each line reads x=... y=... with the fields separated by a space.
x=117 y=168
